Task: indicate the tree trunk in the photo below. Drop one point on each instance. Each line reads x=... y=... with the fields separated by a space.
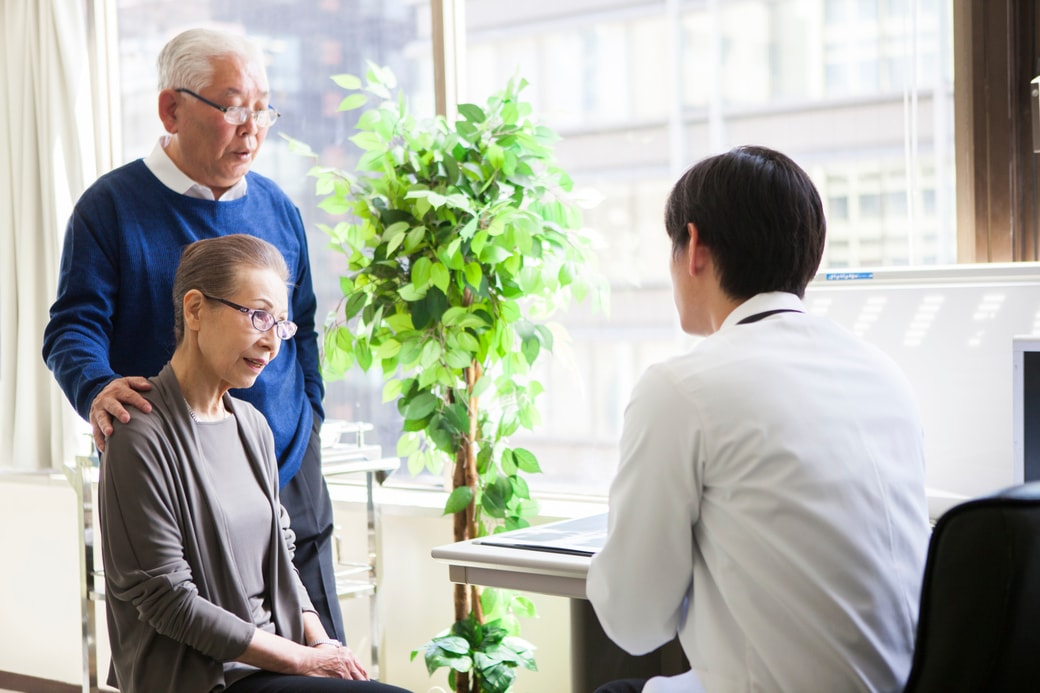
x=467 y=598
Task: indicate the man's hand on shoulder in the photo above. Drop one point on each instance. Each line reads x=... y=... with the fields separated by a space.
x=109 y=403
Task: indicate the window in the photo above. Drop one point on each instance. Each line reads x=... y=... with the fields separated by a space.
x=307 y=44
x=858 y=91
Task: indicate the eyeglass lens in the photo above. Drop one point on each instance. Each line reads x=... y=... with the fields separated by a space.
x=236 y=115
x=263 y=321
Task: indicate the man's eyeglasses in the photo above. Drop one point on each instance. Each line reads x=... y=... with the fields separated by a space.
x=261 y=319
x=236 y=115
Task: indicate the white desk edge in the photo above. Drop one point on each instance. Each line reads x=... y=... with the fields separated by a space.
x=545 y=572
x=471 y=562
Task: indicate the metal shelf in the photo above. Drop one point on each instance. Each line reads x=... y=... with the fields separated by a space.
x=341 y=458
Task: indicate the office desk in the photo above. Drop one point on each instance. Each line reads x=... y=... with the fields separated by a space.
x=477 y=563
x=595 y=659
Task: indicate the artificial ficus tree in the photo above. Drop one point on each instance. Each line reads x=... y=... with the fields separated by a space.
x=460 y=240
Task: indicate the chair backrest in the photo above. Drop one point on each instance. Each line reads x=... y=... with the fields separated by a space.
x=979 y=625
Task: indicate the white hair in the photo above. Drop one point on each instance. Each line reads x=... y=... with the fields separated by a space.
x=186 y=62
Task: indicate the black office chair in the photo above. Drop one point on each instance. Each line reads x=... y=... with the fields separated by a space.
x=979 y=627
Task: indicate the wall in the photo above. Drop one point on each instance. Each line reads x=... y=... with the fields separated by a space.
x=950 y=329
x=39 y=583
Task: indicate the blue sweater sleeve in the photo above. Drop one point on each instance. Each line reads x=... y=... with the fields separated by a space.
x=77 y=340
x=304 y=309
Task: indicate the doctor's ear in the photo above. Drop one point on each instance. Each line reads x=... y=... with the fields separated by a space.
x=698 y=255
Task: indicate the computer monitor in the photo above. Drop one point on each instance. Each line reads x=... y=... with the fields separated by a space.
x=1025 y=407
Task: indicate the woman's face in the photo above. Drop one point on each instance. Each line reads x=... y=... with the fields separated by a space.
x=233 y=350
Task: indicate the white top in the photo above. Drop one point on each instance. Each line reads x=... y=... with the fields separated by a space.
x=773 y=480
x=163 y=168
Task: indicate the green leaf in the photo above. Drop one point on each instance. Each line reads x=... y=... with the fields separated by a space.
x=526 y=461
x=515 y=523
x=522 y=650
x=408 y=443
x=496 y=496
x=411 y=350
x=335 y=205
x=391 y=391
x=412 y=294
x=457 y=416
x=414 y=239
x=421 y=272
x=459 y=500
x=431 y=353
x=421 y=406
x=521 y=606
x=481 y=387
x=510 y=311
x=467 y=231
x=416 y=463
x=440 y=277
x=530 y=346
x=354 y=305
x=472 y=112
x=497 y=679
x=399 y=322
x=479 y=241
x=458 y=358
x=395 y=241
x=453 y=316
x=509 y=467
x=468 y=342
x=387 y=349
x=493 y=601
x=428 y=310
x=473 y=273
x=520 y=487
x=452 y=643
x=298 y=147
x=347 y=81
x=546 y=335
x=352 y=102
x=363 y=354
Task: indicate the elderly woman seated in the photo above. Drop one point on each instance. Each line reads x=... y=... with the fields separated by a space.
x=202 y=594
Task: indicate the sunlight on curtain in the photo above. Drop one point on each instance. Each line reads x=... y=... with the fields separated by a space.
x=46 y=159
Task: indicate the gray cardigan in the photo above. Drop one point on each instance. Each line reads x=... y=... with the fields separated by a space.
x=175 y=611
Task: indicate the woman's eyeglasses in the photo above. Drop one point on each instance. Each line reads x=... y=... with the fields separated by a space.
x=261 y=319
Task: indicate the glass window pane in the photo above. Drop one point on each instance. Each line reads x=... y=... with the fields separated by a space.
x=306 y=43
x=857 y=91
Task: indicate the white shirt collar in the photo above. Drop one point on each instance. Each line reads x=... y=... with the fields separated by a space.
x=162 y=166
x=760 y=303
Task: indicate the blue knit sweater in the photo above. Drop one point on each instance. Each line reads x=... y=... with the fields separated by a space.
x=113 y=315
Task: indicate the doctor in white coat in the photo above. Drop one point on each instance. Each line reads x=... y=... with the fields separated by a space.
x=769 y=506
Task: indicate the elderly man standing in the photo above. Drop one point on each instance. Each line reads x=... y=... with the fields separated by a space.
x=111 y=325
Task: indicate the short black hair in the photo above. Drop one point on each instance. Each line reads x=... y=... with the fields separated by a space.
x=758 y=213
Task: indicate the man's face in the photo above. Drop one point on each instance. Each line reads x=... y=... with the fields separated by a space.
x=212 y=151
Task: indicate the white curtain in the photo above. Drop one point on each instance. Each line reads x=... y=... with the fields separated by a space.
x=47 y=157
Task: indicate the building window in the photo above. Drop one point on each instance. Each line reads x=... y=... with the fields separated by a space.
x=857 y=91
